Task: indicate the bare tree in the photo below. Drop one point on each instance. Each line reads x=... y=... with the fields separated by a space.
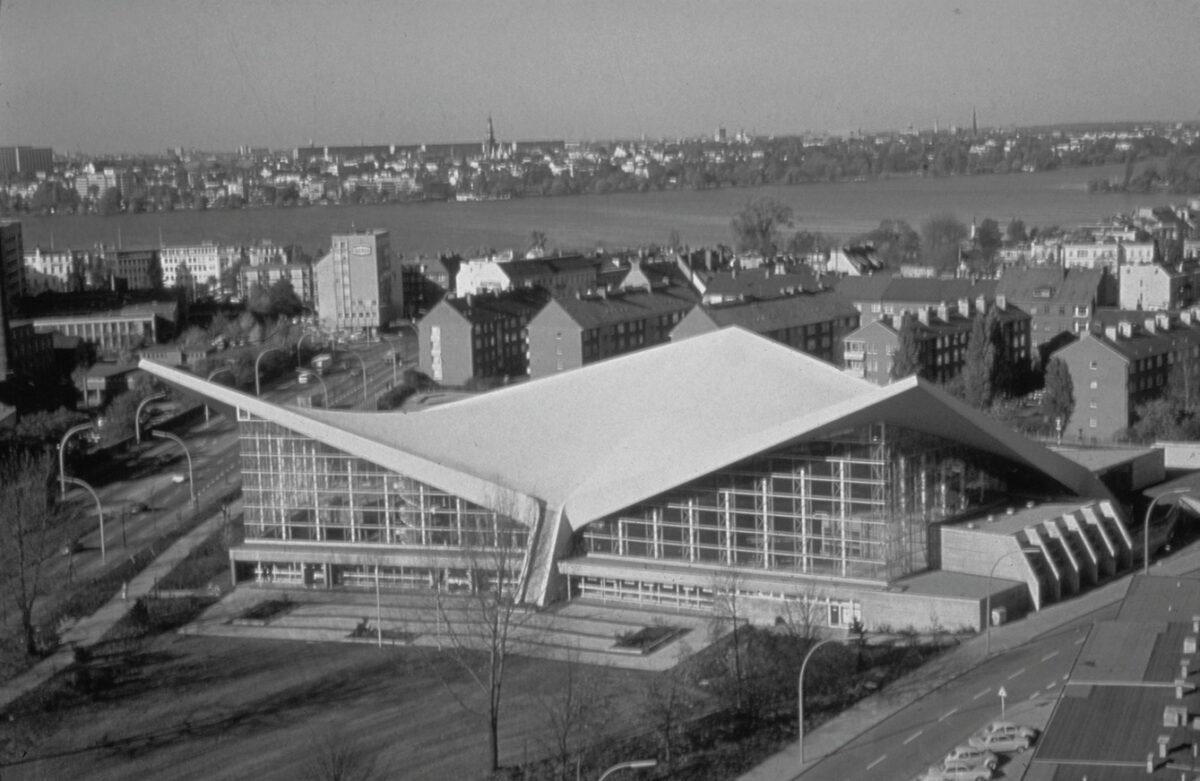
x=727 y=617
x=668 y=702
x=482 y=627
x=31 y=528
x=803 y=618
x=576 y=708
x=334 y=756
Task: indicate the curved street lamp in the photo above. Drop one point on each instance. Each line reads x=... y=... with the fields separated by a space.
x=214 y=373
x=300 y=341
x=186 y=452
x=1146 y=527
x=62 y=451
x=633 y=764
x=363 y=364
x=137 y=416
x=987 y=611
x=257 y=358
x=320 y=379
x=99 y=513
x=800 y=687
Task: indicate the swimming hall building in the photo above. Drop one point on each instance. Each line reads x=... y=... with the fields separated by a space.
x=725 y=463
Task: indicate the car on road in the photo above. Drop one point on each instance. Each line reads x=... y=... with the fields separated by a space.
x=178 y=478
x=956 y=770
x=1003 y=736
x=72 y=546
x=139 y=507
x=977 y=756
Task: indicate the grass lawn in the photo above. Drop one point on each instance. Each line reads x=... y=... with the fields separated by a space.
x=181 y=707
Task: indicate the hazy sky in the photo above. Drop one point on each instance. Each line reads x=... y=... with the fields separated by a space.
x=146 y=75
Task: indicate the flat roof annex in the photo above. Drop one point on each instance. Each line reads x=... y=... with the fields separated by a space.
x=606 y=436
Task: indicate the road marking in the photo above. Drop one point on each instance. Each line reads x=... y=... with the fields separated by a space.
x=1051 y=685
x=1034 y=696
x=948 y=714
x=1049 y=656
x=876 y=762
x=983 y=693
x=913 y=736
x=1014 y=675
x=1080 y=640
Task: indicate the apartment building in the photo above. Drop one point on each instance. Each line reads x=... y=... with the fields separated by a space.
x=1123 y=361
x=197 y=264
x=814 y=323
x=477 y=337
x=576 y=331
x=1058 y=300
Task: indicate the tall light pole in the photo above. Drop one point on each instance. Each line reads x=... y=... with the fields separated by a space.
x=1146 y=527
x=987 y=617
x=300 y=341
x=186 y=452
x=633 y=764
x=137 y=416
x=257 y=358
x=320 y=379
x=212 y=374
x=800 y=687
x=363 y=364
x=99 y=513
x=62 y=451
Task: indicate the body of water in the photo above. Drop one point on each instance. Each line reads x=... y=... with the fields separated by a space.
x=616 y=220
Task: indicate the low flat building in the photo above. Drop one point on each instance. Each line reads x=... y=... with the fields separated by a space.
x=113 y=330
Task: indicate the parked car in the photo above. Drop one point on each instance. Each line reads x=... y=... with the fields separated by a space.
x=178 y=478
x=1002 y=736
x=138 y=507
x=72 y=546
x=957 y=770
x=977 y=756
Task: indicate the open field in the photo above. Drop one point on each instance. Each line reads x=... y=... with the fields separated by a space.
x=212 y=708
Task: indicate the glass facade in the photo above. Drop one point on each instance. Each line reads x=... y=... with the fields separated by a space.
x=297 y=489
x=862 y=504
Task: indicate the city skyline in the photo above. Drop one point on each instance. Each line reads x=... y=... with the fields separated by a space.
x=135 y=76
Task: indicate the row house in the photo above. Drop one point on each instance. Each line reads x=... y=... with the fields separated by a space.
x=1057 y=300
x=560 y=276
x=1156 y=286
x=1123 y=361
x=576 y=331
x=759 y=284
x=264 y=275
x=814 y=323
x=942 y=332
x=424 y=282
x=477 y=336
x=882 y=295
x=197 y=263
x=1109 y=254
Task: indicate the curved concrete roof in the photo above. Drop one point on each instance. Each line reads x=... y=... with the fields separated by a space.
x=603 y=437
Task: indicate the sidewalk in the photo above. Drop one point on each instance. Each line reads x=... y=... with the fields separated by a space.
x=90 y=630
x=831 y=736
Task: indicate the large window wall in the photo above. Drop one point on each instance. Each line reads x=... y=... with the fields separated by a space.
x=862 y=504
x=298 y=489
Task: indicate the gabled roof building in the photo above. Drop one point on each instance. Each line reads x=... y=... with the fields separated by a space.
x=749 y=469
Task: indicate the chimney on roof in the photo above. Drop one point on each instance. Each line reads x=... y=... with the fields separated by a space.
x=964 y=306
x=923 y=314
x=943 y=312
x=981 y=304
x=1001 y=302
